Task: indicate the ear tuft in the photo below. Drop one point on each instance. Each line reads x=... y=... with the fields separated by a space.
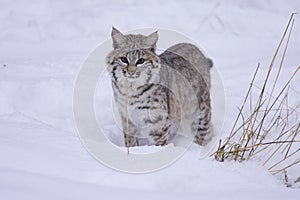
x=117 y=37
x=151 y=40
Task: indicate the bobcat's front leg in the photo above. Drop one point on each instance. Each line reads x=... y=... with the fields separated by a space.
x=130 y=133
x=161 y=136
x=130 y=141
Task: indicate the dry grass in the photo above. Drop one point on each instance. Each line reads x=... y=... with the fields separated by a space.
x=266 y=127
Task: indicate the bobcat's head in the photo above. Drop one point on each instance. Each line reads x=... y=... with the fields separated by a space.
x=133 y=58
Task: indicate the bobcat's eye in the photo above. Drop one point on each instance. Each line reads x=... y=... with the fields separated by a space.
x=124 y=60
x=140 y=61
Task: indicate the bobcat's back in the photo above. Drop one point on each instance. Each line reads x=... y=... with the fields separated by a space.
x=187 y=60
x=195 y=57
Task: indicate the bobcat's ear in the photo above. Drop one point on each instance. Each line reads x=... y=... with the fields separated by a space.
x=151 y=40
x=117 y=37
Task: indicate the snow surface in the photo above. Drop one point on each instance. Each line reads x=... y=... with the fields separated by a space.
x=42 y=45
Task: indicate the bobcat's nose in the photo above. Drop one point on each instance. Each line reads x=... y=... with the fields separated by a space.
x=131 y=69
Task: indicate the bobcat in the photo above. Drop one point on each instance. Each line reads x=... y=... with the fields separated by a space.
x=151 y=98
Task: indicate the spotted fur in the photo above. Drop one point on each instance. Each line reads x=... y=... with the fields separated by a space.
x=147 y=81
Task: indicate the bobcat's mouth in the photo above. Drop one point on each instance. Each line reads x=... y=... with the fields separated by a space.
x=134 y=75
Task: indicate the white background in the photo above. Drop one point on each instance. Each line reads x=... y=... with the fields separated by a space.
x=43 y=43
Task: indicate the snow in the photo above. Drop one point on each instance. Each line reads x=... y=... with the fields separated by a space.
x=42 y=46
